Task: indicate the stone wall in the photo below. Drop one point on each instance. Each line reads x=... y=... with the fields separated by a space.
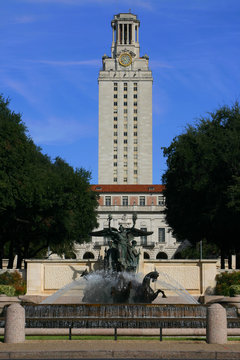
x=44 y=277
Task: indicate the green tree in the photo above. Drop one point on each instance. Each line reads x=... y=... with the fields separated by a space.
x=42 y=204
x=203 y=181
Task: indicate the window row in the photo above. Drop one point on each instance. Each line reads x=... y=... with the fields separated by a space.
x=141 y=200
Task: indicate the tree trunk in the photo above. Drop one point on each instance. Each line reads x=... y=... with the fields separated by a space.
x=230 y=260
x=10 y=256
x=222 y=259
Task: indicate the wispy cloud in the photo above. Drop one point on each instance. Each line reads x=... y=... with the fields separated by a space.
x=20 y=88
x=91 y=62
x=55 y=130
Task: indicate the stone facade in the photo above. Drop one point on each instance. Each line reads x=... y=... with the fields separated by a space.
x=125 y=108
x=121 y=201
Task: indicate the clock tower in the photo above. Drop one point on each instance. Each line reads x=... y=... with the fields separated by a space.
x=125 y=108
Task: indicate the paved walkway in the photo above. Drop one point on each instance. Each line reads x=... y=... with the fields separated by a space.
x=77 y=349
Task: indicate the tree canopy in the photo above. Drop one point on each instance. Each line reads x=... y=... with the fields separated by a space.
x=42 y=203
x=203 y=180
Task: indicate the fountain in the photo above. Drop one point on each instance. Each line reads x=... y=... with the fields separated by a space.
x=117 y=296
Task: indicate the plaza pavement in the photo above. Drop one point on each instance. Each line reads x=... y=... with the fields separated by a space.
x=120 y=349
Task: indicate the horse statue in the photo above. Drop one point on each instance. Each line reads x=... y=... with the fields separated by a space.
x=144 y=293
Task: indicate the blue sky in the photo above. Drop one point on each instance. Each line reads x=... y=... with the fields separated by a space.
x=50 y=56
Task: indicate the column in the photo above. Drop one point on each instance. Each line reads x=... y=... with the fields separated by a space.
x=127 y=33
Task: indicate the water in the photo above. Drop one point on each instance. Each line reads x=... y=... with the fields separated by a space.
x=121 y=316
x=96 y=288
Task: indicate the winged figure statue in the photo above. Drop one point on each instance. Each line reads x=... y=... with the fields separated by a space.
x=122 y=254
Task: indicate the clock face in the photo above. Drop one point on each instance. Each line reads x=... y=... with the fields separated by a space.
x=125 y=59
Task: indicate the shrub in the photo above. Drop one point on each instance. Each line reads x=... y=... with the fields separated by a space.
x=7 y=290
x=234 y=290
x=225 y=280
x=14 y=279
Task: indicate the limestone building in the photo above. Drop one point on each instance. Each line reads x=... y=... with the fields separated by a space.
x=125 y=147
x=125 y=108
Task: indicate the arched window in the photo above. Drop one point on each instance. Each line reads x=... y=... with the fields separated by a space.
x=88 y=255
x=146 y=255
x=161 y=255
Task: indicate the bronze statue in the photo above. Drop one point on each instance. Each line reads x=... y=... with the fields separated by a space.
x=122 y=254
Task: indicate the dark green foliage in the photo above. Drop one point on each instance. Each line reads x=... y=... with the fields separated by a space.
x=42 y=203
x=234 y=290
x=14 y=279
x=203 y=181
x=209 y=251
x=225 y=280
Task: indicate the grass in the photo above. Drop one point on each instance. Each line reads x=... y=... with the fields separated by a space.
x=101 y=337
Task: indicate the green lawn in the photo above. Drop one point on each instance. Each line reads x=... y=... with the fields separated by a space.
x=100 y=337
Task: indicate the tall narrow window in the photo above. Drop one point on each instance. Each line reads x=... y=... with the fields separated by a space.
x=108 y=200
x=142 y=200
x=125 y=200
x=143 y=238
x=161 y=235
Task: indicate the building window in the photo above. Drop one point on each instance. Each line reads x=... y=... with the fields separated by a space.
x=125 y=179
x=115 y=126
x=125 y=111
x=135 y=156
x=135 y=111
x=125 y=141
x=88 y=255
x=125 y=133
x=115 y=88
x=115 y=103
x=135 y=126
x=115 y=133
x=108 y=200
x=125 y=164
x=135 y=118
x=135 y=172
x=161 y=255
x=125 y=96
x=161 y=235
x=115 y=179
x=115 y=148
x=125 y=200
x=125 y=148
x=135 y=164
x=135 y=96
x=161 y=201
x=115 y=111
x=135 y=133
x=115 y=118
x=115 y=156
x=115 y=164
x=143 y=238
x=146 y=256
x=135 y=148
x=142 y=200
x=115 y=96
x=135 y=141
x=135 y=88
x=115 y=84
x=125 y=103
x=115 y=141
x=135 y=103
